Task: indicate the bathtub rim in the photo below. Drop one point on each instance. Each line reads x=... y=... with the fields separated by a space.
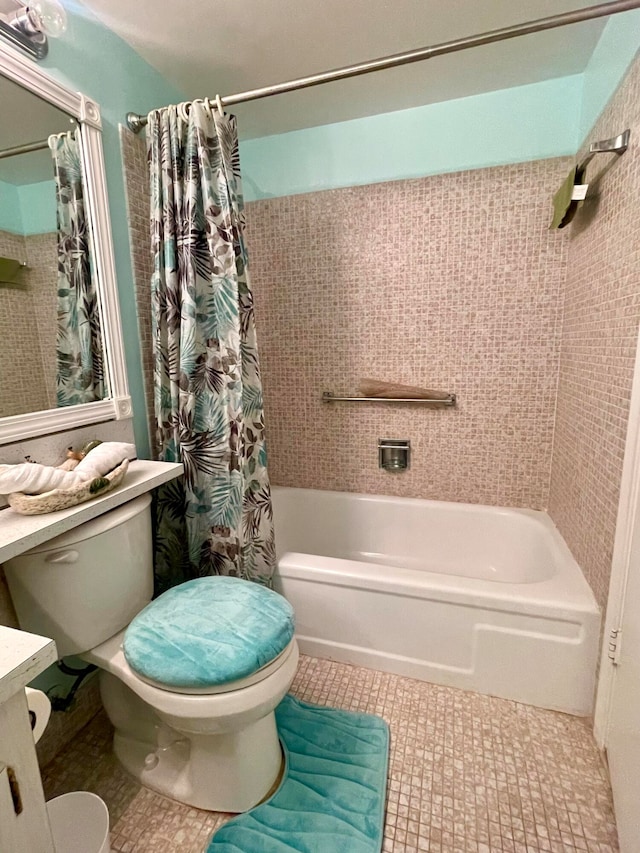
x=541 y=602
x=548 y=596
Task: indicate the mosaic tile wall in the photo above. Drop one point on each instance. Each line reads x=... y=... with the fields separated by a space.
x=136 y=181
x=22 y=386
x=463 y=286
x=451 y=282
x=602 y=309
x=42 y=258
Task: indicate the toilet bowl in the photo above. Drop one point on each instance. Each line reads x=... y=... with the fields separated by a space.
x=195 y=725
x=217 y=751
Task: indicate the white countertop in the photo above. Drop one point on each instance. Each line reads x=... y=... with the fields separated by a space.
x=22 y=657
x=19 y=533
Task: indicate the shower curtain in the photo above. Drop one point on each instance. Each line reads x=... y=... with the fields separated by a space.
x=208 y=393
x=79 y=361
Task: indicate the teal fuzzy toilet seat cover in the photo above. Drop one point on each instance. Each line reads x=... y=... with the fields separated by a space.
x=207 y=632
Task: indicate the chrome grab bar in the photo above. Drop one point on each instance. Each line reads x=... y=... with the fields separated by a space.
x=330 y=397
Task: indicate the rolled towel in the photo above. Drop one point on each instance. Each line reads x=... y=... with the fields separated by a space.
x=34 y=479
x=392 y=391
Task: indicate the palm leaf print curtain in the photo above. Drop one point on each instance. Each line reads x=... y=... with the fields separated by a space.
x=79 y=362
x=208 y=393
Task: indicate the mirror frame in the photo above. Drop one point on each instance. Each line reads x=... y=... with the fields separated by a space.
x=15 y=66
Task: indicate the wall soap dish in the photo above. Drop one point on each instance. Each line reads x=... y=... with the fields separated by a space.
x=394 y=454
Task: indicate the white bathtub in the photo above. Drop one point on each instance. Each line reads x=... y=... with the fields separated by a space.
x=477 y=597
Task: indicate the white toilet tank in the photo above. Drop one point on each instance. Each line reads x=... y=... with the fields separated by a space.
x=84 y=586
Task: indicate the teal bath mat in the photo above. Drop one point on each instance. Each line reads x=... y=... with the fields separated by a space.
x=331 y=799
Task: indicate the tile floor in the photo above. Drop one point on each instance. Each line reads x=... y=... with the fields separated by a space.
x=467 y=774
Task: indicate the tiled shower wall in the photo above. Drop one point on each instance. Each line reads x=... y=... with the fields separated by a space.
x=602 y=309
x=21 y=388
x=42 y=276
x=28 y=326
x=136 y=181
x=451 y=282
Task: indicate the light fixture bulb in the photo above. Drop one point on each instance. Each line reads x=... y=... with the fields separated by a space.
x=48 y=16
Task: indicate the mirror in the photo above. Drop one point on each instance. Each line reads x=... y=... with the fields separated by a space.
x=61 y=353
x=51 y=351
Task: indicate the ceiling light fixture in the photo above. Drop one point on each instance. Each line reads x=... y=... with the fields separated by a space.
x=29 y=24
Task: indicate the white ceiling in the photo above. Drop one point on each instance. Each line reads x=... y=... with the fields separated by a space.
x=204 y=47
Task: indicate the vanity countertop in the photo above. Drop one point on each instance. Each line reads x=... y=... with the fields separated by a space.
x=22 y=657
x=20 y=533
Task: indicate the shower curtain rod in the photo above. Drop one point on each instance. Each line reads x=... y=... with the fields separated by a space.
x=136 y=122
x=24 y=149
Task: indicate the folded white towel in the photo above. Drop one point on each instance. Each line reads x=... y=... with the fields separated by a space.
x=34 y=479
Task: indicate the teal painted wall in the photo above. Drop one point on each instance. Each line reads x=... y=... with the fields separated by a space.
x=28 y=208
x=508 y=126
x=547 y=119
x=615 y=51
x=92 y=59
x=38 y=207
x=10 y=213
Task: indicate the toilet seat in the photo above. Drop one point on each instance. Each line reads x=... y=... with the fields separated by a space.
x=227 y=687
x=208 y=635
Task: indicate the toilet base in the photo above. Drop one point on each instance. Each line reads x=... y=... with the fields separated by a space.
x=228 y=772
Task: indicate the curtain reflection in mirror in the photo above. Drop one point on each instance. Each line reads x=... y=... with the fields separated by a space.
x=79 y=353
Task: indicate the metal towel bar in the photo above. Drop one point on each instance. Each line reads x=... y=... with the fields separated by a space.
x=330 y=397
x=616 y=145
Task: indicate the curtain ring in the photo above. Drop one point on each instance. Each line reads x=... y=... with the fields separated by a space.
x=183 y=110
x=54 y=138
x=219 y=105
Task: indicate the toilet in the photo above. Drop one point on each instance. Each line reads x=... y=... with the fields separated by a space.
x=190 y=680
